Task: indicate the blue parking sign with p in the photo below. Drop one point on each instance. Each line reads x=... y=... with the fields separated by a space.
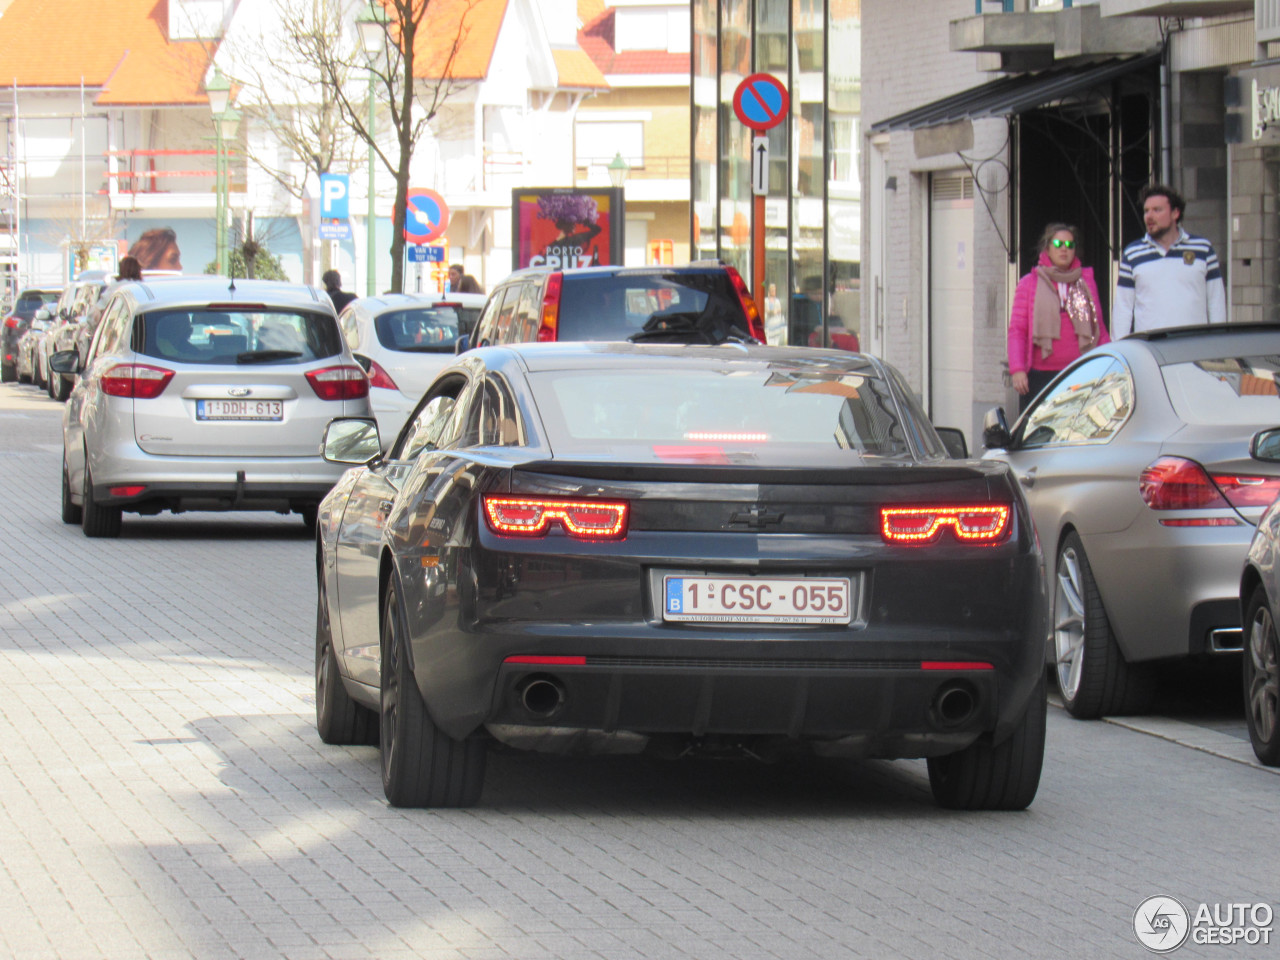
x=335 y=188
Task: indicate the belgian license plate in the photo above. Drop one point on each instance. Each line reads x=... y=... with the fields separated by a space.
x=239 y=409
x=757 y=600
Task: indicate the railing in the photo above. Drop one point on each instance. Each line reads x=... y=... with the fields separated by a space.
x=650 y=168
x=1009 y=6
x=143 y=174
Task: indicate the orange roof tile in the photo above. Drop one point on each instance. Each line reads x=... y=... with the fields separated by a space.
x=575 y=69
x=124 y=50
x=588 y=10
x=597 y=38
x=474 y=24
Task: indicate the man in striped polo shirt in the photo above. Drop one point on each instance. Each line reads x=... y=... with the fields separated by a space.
x=1169 y=278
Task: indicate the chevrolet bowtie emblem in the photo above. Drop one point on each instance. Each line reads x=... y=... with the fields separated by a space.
x=756 y=517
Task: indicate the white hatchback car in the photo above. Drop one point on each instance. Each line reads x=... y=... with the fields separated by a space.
x=403 y=340
x=204 y=394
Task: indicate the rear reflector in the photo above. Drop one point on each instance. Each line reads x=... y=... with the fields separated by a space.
x=549 y=661
x=339 y=383
x=955 y=665
x=137 y=380
x=130 y=491
x=534 y=516
x=549 y=326
x=1202 y=522
x=982 y=523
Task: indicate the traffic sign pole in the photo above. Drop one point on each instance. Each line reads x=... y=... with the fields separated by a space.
x=761 y=102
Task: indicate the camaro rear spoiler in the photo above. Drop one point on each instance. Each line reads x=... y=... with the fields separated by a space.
x=869 y=474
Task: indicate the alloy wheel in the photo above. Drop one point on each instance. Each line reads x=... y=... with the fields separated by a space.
x=1264 y=679
x=1069 y=623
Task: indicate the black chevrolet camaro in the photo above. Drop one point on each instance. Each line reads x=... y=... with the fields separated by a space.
x=611 y=547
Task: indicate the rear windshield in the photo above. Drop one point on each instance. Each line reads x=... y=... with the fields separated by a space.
x=32 y=300
x=418 y=329
x=221 y=337
x=614 y=308
x=1229 y=391
x=762 y=415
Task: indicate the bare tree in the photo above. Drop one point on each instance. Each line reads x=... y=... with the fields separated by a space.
x=81 y=236
x=413 y=99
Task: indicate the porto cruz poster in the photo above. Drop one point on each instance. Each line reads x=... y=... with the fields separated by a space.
x=564 y=228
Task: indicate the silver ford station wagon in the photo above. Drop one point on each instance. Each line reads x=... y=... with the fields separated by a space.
x=204 y=393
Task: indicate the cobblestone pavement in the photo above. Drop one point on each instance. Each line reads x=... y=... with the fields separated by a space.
x=163 y=795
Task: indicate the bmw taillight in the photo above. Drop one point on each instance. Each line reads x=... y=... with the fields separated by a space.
x=138 y=380
x=1176 y=483
x=979 y=523
x=516 y=516
x=755 y=326
x=378 y=377
x=549 y=324
x=339 y=383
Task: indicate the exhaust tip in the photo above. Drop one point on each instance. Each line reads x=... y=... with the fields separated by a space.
x=542 y=696
x=954 y=704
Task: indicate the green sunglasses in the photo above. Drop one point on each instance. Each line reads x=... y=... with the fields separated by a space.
x=1069 y=244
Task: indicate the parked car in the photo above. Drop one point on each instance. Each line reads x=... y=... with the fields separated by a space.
x=63 y=335
x=608 y=547
x=402 y=340
x=703 y=303
x=201 y=394
x=1259 y=593
x=17 y=322
x=468 y=305
x=28 y=344
x=1135 y=461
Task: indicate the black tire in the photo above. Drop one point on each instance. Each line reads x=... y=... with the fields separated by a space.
x=61 y=388
x=50 y=385
x=8 y=373
x=36 y=377
x=1262 y=679
x=1002 y=776
x=421 y=765
x=24 y=378
x=339 y=719
x=97 y=520
x=70 y=512
x=1092 y=674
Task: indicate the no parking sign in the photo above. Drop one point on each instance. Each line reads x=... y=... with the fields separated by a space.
x=426 y=215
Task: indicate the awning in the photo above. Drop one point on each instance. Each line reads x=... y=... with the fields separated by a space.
x=1010 y=95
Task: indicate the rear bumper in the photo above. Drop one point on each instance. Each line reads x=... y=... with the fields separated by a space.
x=177 y=497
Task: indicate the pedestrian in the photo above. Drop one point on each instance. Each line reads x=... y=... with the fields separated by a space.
x=775 y=321
x=470 y=284
x=130 y=269
x=1056 y=316
x=456 y=273
x=332 y=281
x=1169 y=278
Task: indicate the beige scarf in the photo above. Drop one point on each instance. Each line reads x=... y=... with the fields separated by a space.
x=1049 y=306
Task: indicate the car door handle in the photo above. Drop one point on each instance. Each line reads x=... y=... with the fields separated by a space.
x=1028 y=479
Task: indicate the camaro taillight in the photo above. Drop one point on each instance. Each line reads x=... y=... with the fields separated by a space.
x=549 y=325
x=339 y=383
x=378 y=377
x=982 y=523
x=755 y=326
x=137 y=380
x=516 y=516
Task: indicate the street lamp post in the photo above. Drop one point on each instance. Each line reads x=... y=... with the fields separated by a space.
x=227 y=122
x=618 y=170
x=372 y=24
x=218 y=89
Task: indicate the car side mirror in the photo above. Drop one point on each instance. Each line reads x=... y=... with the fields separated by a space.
x=1265 y=445
x=995 y=430
x=65 y=361
x=44 y=313
x=953 y=439
x=350 y=440
x=462 y=344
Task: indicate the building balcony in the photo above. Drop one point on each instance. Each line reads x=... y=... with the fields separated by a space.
x=1040 y=35
x=1173 y=8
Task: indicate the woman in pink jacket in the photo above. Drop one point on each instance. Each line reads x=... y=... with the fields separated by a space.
x=1056 y=314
